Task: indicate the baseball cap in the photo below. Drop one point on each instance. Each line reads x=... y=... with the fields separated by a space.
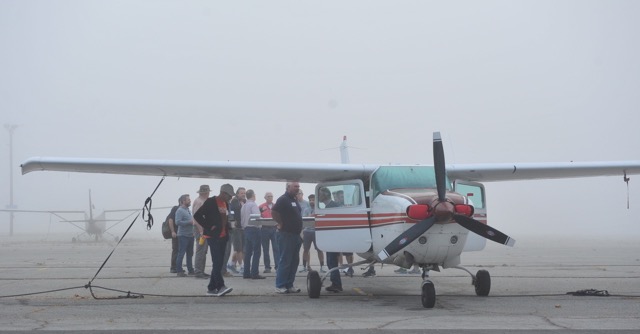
x=228 y=189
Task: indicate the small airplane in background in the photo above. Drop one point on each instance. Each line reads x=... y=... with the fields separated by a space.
x=93 y=228
x=96 y=227
x=397 y=214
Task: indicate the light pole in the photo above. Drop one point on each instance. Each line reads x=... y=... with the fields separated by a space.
x=11 y=128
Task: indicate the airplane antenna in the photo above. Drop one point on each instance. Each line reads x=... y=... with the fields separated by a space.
x=344 y=151
x=626 y=180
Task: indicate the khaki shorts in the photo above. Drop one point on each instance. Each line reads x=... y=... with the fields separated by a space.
x=237 y=238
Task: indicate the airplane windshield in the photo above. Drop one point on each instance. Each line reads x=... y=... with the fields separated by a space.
x=395 y=177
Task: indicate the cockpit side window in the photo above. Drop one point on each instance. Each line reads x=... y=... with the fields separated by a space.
x=339 y=195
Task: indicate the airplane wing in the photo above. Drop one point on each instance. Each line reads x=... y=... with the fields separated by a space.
x=40 y=211
x=322 y=172
x=56 y=213
x=541 y=170
x=258 y=171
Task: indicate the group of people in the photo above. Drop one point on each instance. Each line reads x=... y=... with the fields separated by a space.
x=221 y=223
x=210 y=226
x=215 y=224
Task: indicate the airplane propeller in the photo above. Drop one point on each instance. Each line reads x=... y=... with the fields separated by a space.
x=484 y=230
x=408 y=236
x=439 y=166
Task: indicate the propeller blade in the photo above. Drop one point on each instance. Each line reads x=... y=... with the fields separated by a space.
x=484 y=230
x=439 y=166
x=407 y=237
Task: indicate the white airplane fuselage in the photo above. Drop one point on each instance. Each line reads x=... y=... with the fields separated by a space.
x=366 y=231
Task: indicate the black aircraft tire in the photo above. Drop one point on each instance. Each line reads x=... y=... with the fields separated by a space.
x=428 y=294
x=314 y=284
x=483 y=283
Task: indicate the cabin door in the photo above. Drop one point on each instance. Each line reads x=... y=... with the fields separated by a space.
x=342 y=217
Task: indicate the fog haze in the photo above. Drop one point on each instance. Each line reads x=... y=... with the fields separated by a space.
x=503 y=81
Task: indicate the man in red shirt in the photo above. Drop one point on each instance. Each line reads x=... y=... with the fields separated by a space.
x=213 y=216
x=268 y=234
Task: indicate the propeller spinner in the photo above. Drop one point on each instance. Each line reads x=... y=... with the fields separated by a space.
x=408 y=236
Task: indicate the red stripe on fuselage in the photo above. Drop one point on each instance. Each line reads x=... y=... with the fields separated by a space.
x=342 y=221
x=348 y=221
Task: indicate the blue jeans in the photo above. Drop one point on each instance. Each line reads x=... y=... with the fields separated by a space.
x=332 y=262
x=185 y=245
x=289 y=246
x=174 y=253
x=217 y=248
x=268 y=234
x=251 y=252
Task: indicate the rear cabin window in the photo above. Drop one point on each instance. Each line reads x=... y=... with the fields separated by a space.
x=474 y=193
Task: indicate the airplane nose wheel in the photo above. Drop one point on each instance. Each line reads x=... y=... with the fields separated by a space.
x=314 y=284
x=482 y=283
x=428 y=294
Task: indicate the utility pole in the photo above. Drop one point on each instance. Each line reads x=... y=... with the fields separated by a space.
x=11 y=128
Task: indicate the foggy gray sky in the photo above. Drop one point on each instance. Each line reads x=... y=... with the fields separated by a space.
x=504 y=81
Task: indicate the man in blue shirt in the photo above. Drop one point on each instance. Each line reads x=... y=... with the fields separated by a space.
x=288 y=215
x=252 y=245
x=184 y=221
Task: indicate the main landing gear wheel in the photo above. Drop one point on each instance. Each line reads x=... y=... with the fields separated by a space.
x=483 y=283
x=428 y=294
x=314 y=284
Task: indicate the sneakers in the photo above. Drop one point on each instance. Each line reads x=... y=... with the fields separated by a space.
x=202 y=275
x=303 y=270
x=192 y=273
x=400 y=271
x=224 y=290
x=181 y=274
x=334 y=288
x=232 y=269
x=258 y=277
x=369 y=273
x=282 y=290
x=415 y=271
x=293 y=289
x=349 y=272
x=173 y=271
x=267 y=271
x=322 y=270
x=219 y=292
x=227 y=274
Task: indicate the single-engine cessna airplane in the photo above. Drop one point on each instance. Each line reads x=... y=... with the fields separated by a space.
x=404 y=215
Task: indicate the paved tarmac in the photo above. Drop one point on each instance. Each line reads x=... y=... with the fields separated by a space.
x=529 y=286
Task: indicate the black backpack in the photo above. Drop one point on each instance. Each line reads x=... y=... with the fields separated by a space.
x=166 y=231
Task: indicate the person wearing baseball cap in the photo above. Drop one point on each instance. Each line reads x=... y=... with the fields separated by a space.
x=213 y=216
x=227 y=189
